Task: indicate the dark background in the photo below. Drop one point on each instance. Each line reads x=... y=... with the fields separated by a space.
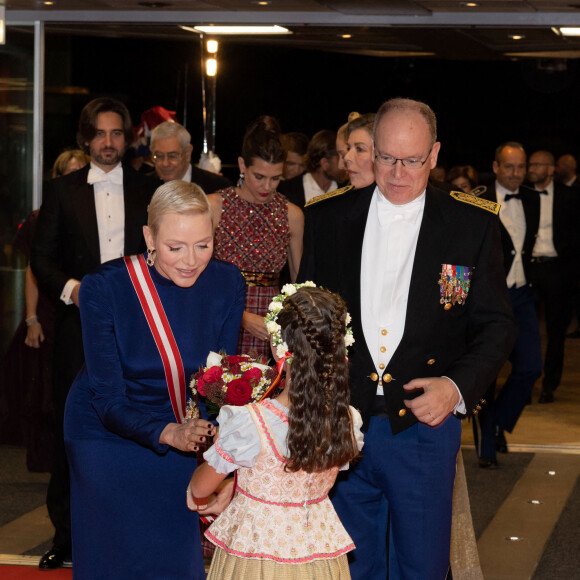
x=479 y=104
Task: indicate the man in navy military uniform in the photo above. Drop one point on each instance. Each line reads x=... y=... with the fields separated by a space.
x=422 y=275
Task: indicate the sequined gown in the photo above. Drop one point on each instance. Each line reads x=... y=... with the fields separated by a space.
x=255 y=237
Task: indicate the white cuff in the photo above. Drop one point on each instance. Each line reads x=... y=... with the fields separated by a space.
x=460 y=407
x=67 y=291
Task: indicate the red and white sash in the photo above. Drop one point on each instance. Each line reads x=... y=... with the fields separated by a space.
x=159 y=325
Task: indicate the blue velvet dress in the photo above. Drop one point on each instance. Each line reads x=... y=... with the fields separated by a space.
x=128 y=492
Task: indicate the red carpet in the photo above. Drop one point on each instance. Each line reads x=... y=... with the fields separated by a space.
x=33 y=573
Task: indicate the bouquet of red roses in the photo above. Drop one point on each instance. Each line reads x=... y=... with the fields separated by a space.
x=230 y=380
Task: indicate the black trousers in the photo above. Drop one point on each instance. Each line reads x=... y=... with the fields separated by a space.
x=554 y=281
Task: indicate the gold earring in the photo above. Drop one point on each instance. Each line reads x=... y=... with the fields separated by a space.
x=150 y=257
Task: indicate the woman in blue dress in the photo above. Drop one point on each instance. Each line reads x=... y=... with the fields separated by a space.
x=131 y=458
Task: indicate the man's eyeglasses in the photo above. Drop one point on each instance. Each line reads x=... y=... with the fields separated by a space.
x=409 y=162
x=172 y=157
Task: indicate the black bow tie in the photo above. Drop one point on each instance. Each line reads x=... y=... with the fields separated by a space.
x=542 y=191
x=512 y=196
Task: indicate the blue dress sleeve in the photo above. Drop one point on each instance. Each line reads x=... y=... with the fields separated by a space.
x=106 y=381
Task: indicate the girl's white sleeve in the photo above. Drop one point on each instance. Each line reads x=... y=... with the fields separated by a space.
x=238 y=443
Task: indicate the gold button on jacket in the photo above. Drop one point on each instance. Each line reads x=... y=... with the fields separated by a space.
x=374 y=377
x=387 y=378
x=402 y=412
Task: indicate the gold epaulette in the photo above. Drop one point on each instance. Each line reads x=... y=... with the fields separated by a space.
x=328 y=195
x=490 y=206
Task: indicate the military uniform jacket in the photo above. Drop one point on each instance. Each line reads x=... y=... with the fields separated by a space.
x=467 y=343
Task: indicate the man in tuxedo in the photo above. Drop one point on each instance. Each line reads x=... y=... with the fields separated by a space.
x=88 y=217
x=171 y=150
x=565 y=170
x=519 y=218
x=554 y=262
x=321 y=171
x=422 y=276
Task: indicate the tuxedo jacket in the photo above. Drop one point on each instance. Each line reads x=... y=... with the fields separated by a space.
x=531 y=205
x=293 y=189
x=208 y=181
x=467 y=343
x=66 y=243
x=565 y=223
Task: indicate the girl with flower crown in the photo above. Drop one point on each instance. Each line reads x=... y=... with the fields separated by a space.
x=287 y=452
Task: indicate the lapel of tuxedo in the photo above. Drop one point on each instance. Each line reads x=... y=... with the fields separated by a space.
x=83 y=199
x=431 y=244
x=353 y=223
x=133 y=201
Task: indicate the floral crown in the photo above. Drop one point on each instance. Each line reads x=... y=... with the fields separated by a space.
x=271 y=319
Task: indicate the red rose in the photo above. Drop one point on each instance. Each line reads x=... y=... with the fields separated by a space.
x=212 y=375
x=233 y=359
x=238 y=393
x=199 y=385
x=253 y=376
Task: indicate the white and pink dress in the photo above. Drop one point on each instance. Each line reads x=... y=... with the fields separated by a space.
x=279 y=522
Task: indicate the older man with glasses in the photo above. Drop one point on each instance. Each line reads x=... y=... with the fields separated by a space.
x=421 y=272
x=171 y=151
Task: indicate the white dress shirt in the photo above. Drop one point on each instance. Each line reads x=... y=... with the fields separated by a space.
x=388 y=253
x=312 y=189
x=544 y=245
x=110 y=209
x=511 y=214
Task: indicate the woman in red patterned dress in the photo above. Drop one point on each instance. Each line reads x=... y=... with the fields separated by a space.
x=258 y=229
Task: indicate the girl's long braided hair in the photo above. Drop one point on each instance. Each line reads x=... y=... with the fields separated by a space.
x=320 y=433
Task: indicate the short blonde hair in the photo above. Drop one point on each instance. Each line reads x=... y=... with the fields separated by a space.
x=176 y=197
x=65 y=157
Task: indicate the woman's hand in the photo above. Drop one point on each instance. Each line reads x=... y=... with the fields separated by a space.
x=187 y=436
x=34 y=335
x=255 y=325
x=219 y=500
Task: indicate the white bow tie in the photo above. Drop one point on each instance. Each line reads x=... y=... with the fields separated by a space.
x=389 y=214
x=98 y=175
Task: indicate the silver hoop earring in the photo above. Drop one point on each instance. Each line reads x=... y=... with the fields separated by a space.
x=150 y=257
x=241 y=180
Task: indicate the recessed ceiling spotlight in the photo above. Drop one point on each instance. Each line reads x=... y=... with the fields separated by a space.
x=262 y=2
x=516 y=36
x=514 y=539
x=345 y=35
x=48 y=3
x=469 y=4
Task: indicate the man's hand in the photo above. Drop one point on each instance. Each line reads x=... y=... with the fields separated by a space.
x=437 y=401
x=74 y=295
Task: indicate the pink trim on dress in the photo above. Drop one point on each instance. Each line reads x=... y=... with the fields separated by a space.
x=283 y=504
x=267 y=433
x=223 y=454
x=275 y=410
x=264 y=556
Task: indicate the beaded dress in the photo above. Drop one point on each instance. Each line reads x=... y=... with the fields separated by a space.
x=278 y=522
x=255 y=237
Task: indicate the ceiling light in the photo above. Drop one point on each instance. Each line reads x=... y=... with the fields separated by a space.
x=569 y=31
x=469 y=4
x=212 y=46
x=516 y=36
x=240 y=29
x=48 y=3
x=345 y=35
x=211 y=67
x=261 y=2
x=2 y=25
